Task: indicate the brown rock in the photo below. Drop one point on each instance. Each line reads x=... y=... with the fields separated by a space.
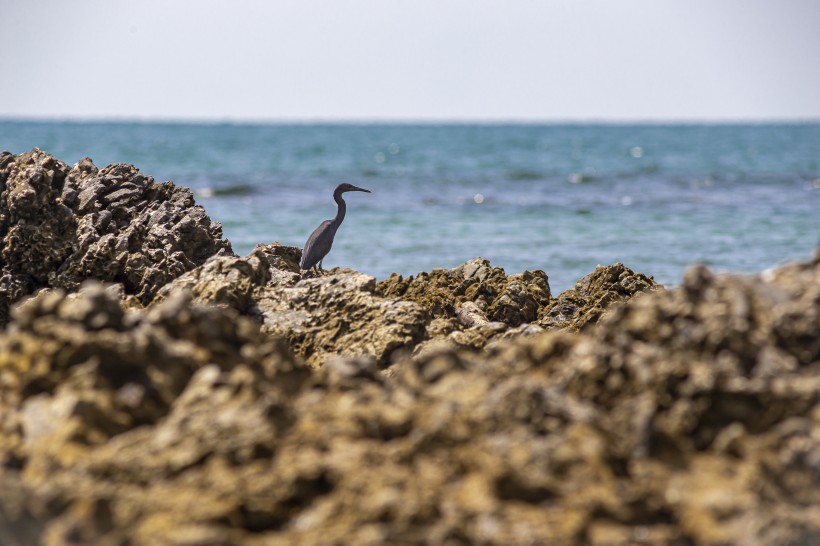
x=688 y=416
x=337 y=313
x=61 y=226
x=470 y=315
x=512 y=300
x=685 y=416
x=587 y=301
x=340 y=314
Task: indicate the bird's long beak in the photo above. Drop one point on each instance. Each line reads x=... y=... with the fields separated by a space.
x=356 y=188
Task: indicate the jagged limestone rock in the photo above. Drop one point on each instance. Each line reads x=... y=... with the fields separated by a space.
x=61 y=226
x=512 y=300
x=586 y=302
x=684 y=416
x=340 y=313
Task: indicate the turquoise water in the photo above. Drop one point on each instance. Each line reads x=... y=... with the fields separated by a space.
x=561 y=198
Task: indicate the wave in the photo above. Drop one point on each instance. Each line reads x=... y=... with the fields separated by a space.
x=226 y=191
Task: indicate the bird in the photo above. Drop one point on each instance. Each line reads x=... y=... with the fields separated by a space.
x=320 y=241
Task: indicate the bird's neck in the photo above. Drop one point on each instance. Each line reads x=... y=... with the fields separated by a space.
x=340 y=213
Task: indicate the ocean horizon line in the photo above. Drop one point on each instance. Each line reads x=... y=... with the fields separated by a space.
x=353 y=121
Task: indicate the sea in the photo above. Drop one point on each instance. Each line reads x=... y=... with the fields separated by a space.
x=562 y=198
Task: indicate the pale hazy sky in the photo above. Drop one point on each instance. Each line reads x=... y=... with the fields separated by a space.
x=530 y=60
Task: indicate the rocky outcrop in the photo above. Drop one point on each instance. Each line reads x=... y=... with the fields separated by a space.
x=688 y=416
x=213 y=399
x=226 y=281
x=341 y=315
x=345 y=313
x=336 y=313
x=475 y=303
x=512 y=300
x=82 y=355
x=586 y=302
x=60 y=226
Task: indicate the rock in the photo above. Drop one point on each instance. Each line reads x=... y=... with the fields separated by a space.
x=470 y=315
x=121 y=369
x=682 y=416
x=512 y=300
x=36 y=227
x=586 y=302
x=687 y=416
x=227 y=281
x=61 y=226
x=337 y=313
x=521 y=299
x=81 y=378
x=340 y=313
x=343 y=313
x=476 y=293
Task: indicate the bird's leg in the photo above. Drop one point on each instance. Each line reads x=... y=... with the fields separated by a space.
x=320 y=264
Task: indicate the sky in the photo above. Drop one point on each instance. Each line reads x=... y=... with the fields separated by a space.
x=411 y=60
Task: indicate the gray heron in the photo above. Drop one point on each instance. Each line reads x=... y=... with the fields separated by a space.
x=320 y=241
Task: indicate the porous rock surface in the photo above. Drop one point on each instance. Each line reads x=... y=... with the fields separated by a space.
x=587 y=301
x=60 y=226
x=513 y=299
x=335 y=313
x=688 y=416
x=342 y=312
x=228 y=400
x=81 y=378
x=475 y=303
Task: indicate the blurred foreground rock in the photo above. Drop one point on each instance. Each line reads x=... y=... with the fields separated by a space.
x=689 y=416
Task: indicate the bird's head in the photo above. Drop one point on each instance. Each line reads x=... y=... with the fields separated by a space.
x=341 y=188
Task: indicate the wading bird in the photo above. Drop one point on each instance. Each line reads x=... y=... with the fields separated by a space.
x=320 y=241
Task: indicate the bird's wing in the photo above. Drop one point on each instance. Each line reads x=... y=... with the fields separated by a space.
x=314 y=251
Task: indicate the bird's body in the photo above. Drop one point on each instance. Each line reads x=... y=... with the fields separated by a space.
x=318 y=244
x=321 y=240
